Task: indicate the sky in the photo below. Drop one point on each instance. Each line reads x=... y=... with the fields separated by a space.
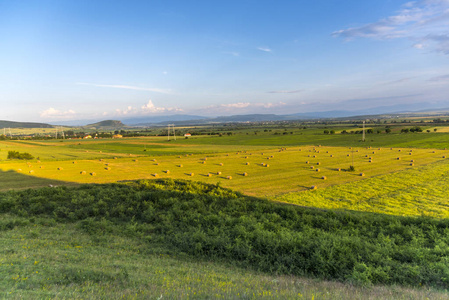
x=71 y=60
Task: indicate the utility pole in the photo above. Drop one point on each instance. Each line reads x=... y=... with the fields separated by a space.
x=168 y=131
x=363 y=135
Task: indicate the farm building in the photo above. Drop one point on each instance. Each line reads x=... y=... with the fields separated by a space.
x=187 y=134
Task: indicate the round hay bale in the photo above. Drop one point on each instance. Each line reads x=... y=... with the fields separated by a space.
x=410 y=153
x=318 y=151
x=42 y=167
x=135 y=160
x=327 y=151
x=154 y=160
x=338 y=169
x=93 y=174
x=444 y=156
x=180 y=166
x=247 y=163
x=312 y=167
x=191 y=174
x=218 y=173
x=399 y=150
x=19 y=170
x=59 y=168
x=317 y=170
x=167 y=171
x=205 y=158
x=204 y=162
x=179 y=156
x=356 y=150
x=307 y=162
x=83 y=173
x=318 y=163
x=221 y=164
x=245 y=174
x=370 y=161
x=308 y=155
x=115 y=157
x=31 y=171
x=332 y=155
x=348 y=155
x=398 y=158
x=412 y=164
x=268 y=158
x=107 y=168
x=374 y=152
x=366 y=155
x=100 y=159
x=229 y=177
x=324 y=177
x=157 y=164
x=209 y=175
x=38 y=161
x=246 y=156
x=412 y=160
x=313 y=187
x=267 y=165
x=155 y=175
x=362 y=174
x=314 y=156
x=74 y=162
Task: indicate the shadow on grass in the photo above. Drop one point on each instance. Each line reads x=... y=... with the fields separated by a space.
x=11 y=180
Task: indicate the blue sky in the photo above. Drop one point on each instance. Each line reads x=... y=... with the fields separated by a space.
x=67 y=60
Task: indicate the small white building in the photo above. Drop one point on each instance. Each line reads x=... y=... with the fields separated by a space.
x=187 y=134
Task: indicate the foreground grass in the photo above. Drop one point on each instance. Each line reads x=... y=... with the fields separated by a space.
x=208 y=222
x=42 y=259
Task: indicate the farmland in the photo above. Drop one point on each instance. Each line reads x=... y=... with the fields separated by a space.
x=400 y=181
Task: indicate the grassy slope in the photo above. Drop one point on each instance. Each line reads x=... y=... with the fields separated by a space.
x=414 y=192
x=156 y=239
x=43 y=260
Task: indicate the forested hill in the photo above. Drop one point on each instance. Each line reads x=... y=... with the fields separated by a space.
x=12 y=124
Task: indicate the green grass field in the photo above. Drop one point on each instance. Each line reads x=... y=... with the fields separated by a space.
x=389 y=186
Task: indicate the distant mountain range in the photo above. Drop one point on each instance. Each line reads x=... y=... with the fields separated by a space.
x=387 y=111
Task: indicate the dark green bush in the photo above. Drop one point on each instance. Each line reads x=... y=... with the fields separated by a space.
x=215 y=223
x=18 y=155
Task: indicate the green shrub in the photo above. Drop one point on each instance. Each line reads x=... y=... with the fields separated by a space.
x=207 y=221
x=18 y=155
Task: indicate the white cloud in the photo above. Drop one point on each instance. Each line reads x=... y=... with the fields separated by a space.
x=425 y=22
x=285 y=92
x=242 y=107
x=237 y=105
x=264 y=49
x=128 y=87
x=151 y=108
x=57 y=114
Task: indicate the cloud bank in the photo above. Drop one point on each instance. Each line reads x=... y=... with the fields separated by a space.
x=425 y=23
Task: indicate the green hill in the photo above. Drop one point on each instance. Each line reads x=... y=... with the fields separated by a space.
x=183 y=222
x=12 y=124
x=107 y=124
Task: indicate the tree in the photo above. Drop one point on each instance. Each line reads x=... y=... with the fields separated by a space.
x=387 y=130
x=326 y=131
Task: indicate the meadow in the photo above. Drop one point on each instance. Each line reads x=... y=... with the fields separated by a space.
x=177 y=249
